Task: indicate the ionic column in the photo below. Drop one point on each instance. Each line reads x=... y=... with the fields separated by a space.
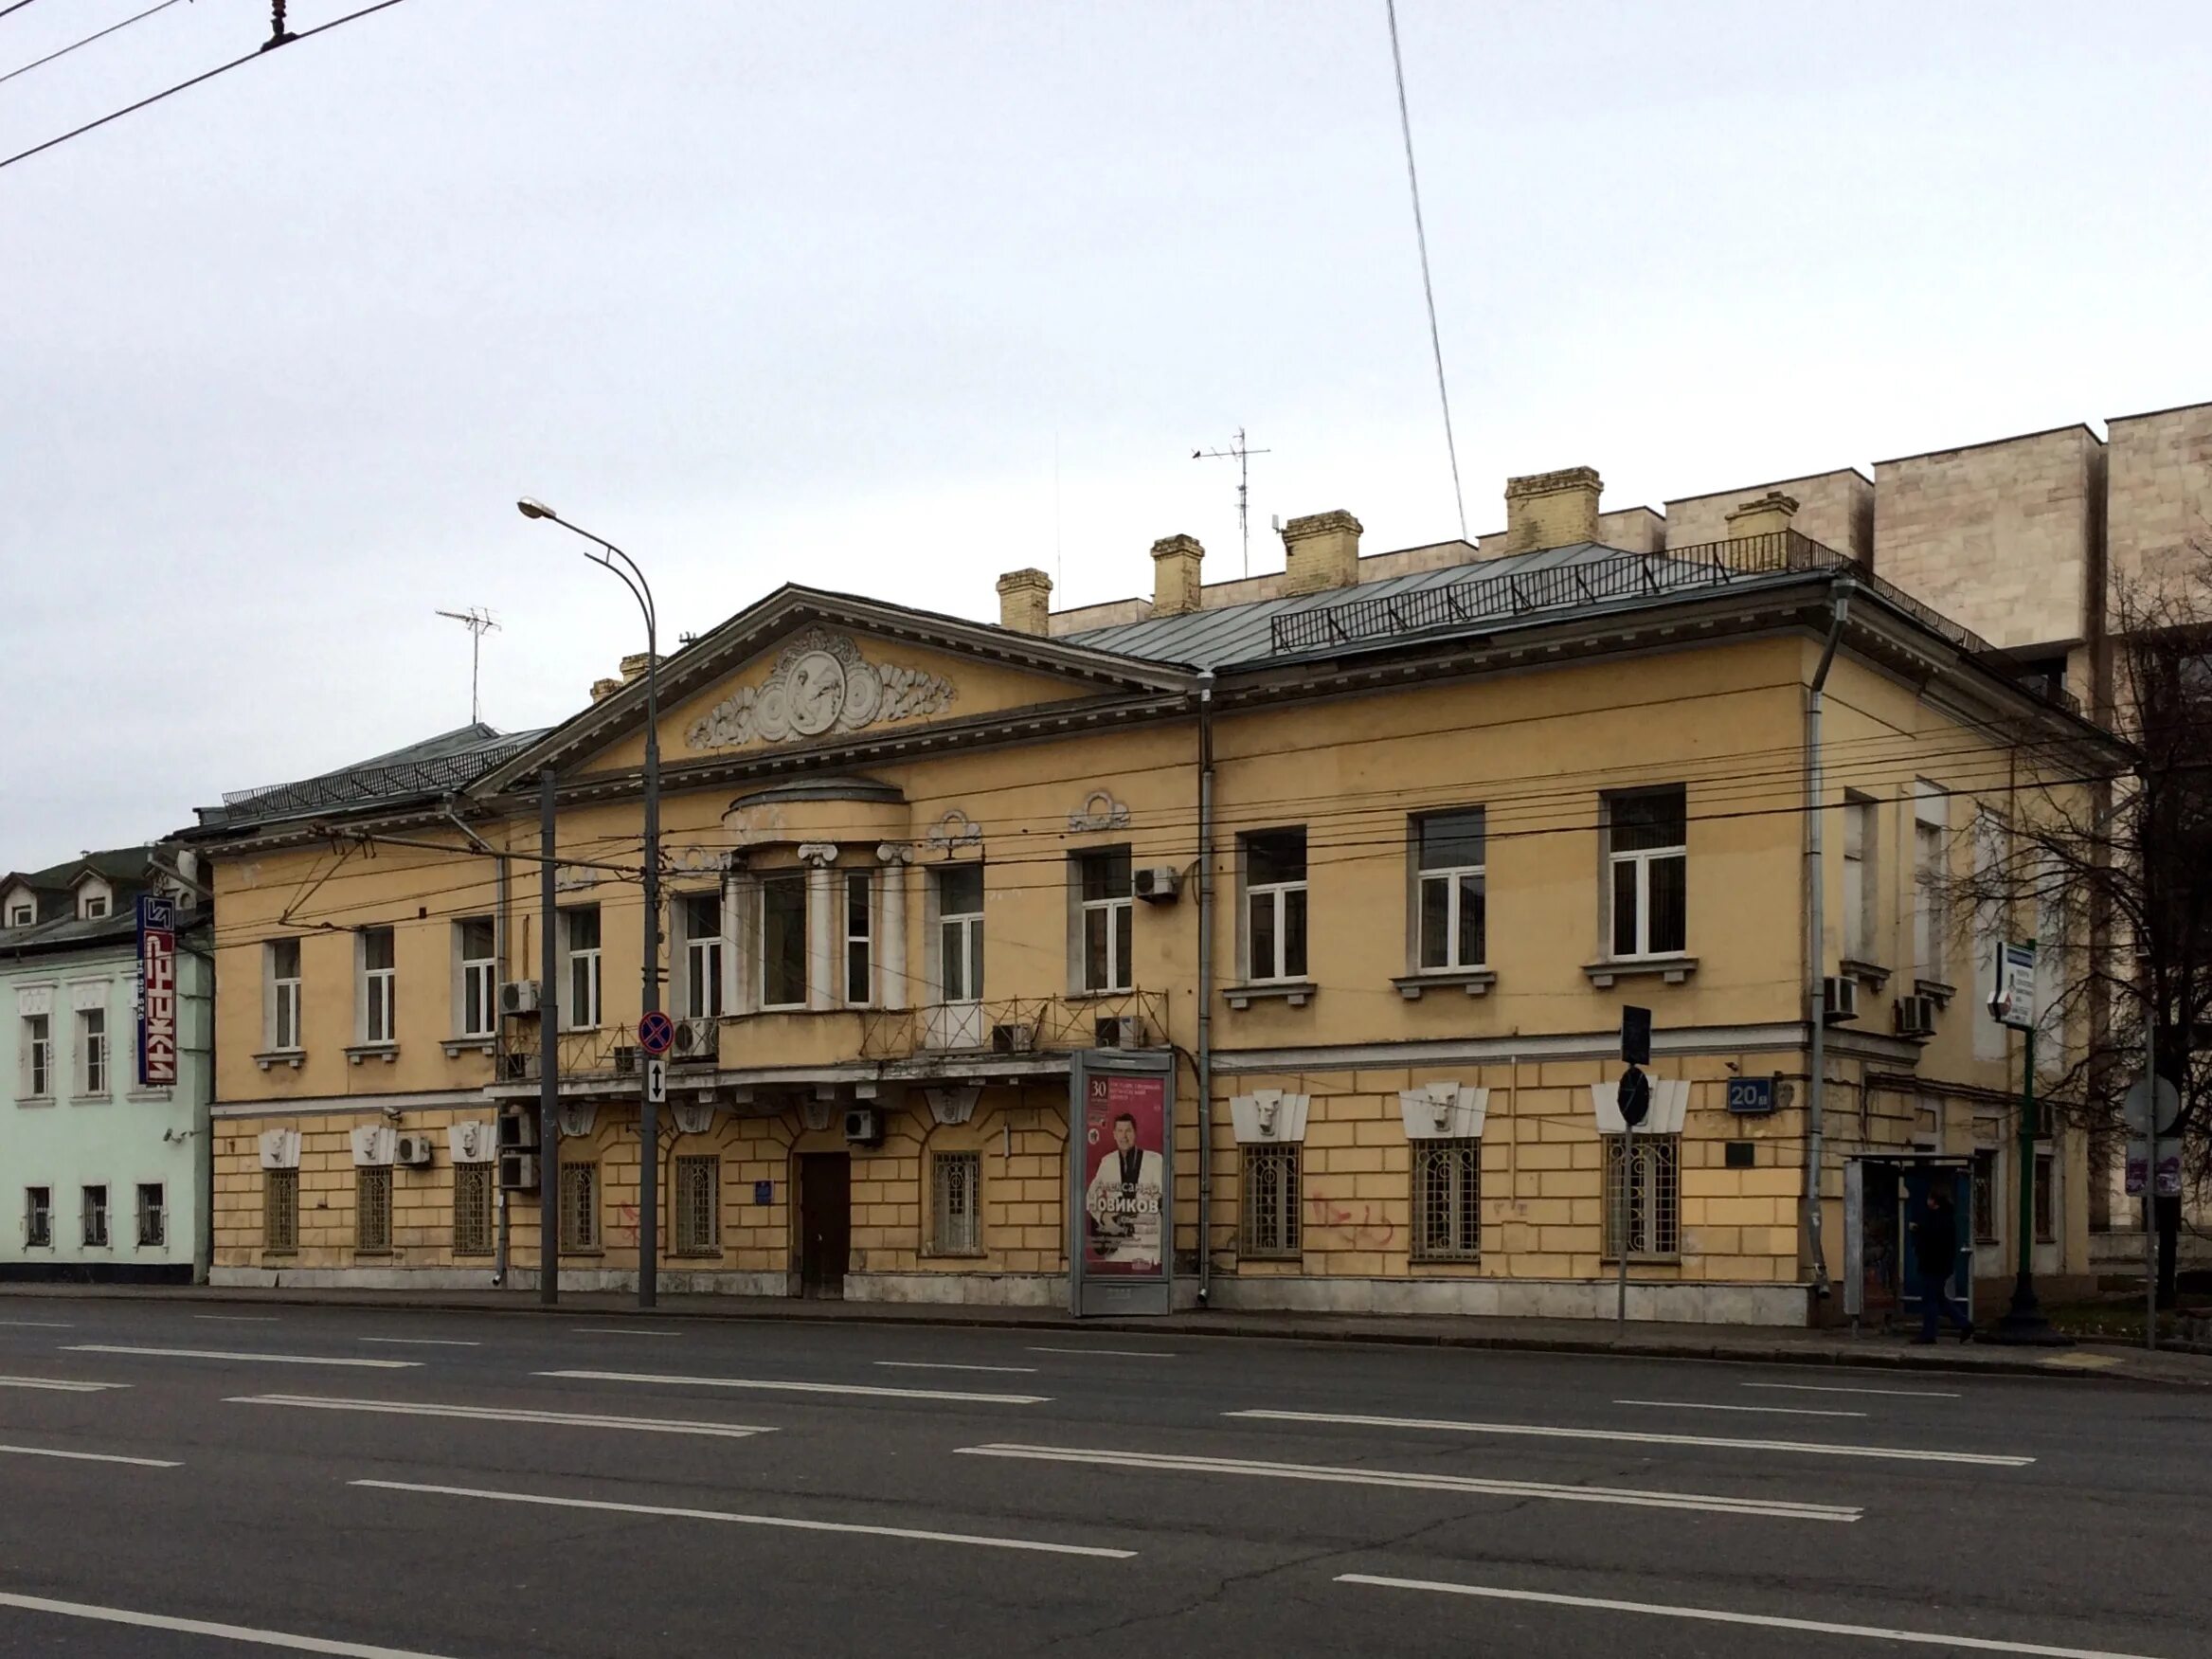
x=890 y=966
x=821 y=924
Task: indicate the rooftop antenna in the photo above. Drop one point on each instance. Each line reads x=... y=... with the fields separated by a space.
x=1237 y=452
x=478 y=622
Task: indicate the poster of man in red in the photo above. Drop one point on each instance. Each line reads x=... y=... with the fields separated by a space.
x=1124 y=1164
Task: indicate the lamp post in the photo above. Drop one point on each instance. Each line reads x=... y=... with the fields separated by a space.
x=648 y=1113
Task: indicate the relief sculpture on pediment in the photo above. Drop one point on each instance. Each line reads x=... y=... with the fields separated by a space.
x=820 y=683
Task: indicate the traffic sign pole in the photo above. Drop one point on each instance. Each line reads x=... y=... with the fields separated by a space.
x=2151 y=1178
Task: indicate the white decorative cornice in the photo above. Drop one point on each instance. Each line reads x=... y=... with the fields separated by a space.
x=954 y=830
x=1444 y=1112
x=1099 y=811
x=1269 y=1115
x=820 y=683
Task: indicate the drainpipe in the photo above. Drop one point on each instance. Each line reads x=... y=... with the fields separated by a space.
x=501 y=918
x=1816 y=942
x=1205 y=1056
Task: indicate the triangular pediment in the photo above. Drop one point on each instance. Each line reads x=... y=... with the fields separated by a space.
x=805 y=669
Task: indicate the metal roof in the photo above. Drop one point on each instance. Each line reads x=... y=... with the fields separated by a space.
x=450 y=761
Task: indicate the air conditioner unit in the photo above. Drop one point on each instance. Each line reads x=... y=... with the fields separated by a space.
x=412 y=1150
x=697 y=1039
x=518 y=1131
x=1916 y=1016
x=518 y=997
x=1157 y=882
x=1120 y=1031
x=1013 y=1040
x=1839 y=999
x=626 y=1060
x=864 y=1125
x=518 y=1172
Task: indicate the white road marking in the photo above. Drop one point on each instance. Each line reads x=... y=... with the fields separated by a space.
x=1540 y=1431
x=200 y=1627
x=90 y=1456
x=239 y=1318
x=420 y=1342
x=978 y=1540
x=934 y=1365
x=1715 y=1615
x=1112 y=1353
x=1177 y=1464
x=619 y=1330
x=1832 y=1388
x=58 y=1385
x=225 y=1354
x=1771 y=1411
x=774 y=1387
x=39 y=1324
x=400 y=1408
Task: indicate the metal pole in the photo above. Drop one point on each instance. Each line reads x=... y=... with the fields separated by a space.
x=548 y=1057
x=1205 y=1056
x=2023 y=1311
x=1621 y=1227
x=2150 y=1174
x=649 y=1113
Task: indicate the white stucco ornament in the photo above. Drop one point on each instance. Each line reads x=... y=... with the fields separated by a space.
x=472 y=1141
x=820 y=683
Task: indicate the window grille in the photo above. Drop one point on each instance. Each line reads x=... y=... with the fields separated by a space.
x=698 y=1190
x=153 y=1216
x=1644 y=1206
x=1448 y=1201
x=280 y=1209
x=96 y=1217
x=579 y=1207
x=38 y=1216
x=1270 y=1201
x=956 y=1194
x=472 y=1209
x=372 y=1209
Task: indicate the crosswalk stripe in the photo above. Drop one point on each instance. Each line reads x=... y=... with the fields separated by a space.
x=772 y=1385
x=399 y=1408
x=59 y=1384
x=1173 y=1463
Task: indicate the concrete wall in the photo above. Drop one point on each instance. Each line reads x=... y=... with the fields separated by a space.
x=1836 y=509
x=2159 y=495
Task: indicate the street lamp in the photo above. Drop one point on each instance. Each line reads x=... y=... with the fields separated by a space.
x=648 y=1116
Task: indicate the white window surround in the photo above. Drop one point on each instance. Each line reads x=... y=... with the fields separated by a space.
x=36 y=1039
x=1444 y=1112
x=1449 y=899
x=1269 y=1116
x=580 y=967
x=700 y=918
x=281 y=1003
x=94 y=1078
x=1647 y=859
x=94 y=898
x=475 y=1002
x=376 y=955
x=1273 y=918
x=1104 y=918
x=1931 y=859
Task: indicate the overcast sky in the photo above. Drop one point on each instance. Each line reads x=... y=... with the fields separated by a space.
x=895 y=298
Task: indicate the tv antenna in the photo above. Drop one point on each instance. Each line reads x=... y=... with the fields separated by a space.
x=478 y=622
x=1237 y=452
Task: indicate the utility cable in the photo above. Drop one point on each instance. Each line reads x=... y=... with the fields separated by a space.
x=184 y=86
x=1427 y=288
x=111 y=28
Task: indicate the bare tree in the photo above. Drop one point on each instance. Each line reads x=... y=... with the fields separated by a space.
x=2115 y=860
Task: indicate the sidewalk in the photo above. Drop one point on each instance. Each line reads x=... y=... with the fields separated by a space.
x=1741 y=1343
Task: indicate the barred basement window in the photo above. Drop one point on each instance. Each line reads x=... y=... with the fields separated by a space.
x=280 y=1209
x=1448 y=1201
x=372 y=1209
x=1644 y=1205
x=472 y=1209
x=698 y=1189
x=579 y=1207
x=93 y=1214
x=956 y=1193
x=1270 y=1201
x=153 y=1215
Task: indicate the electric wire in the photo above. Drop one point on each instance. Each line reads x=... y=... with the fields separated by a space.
x=101 y=35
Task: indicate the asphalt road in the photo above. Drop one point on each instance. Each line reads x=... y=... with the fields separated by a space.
x=591 y=1486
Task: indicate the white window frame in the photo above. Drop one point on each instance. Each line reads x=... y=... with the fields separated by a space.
x=152 y=1228
x=1454 y=879
x=379 y=989
x=1276 y=898
x=589 y=958
x=92 y=1051
x=38 y=1057
x=702 y=955
x=22 y=913
x=1862 y=876
x=773 y=882
x=960 y=940
x=91 y=1205
x=1643 y=860
x=1930 y=866
x=1115 y=917
x=479 y=975
x=284 y=1033
x=856 y=961
x=95 y=903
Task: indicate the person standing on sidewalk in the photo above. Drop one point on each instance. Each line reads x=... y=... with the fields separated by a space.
x=1934 y=1254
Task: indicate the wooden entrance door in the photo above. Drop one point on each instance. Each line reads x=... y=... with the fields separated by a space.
x=825 y=1222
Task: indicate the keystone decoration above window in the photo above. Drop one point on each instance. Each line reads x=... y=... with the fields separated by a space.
x=1670 y=1102
x=1444 y=1112
x=1269 y=1115
x=820 y=683
x=374 y=1145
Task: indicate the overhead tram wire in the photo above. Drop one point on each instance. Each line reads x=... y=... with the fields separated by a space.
x=185 y=85
x=1427 y=288
x=102 y=34
x=6 y=10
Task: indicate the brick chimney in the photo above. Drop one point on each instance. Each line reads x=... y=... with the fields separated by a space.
x=1322 y=550
x=603 y=689
x=1175 y=575
x=1765 y=516
x=1552 y=510
x=1025 y=602
x=634 y=665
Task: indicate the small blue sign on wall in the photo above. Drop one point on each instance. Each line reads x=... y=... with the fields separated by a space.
x=1751 y=1094
x=763 y=1192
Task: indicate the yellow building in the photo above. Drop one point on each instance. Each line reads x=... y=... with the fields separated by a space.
x=1438 y=816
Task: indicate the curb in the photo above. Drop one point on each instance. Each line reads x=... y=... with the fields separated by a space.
x=1501 y=1342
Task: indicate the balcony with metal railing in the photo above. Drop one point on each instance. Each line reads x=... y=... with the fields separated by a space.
x=1016 y=1026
